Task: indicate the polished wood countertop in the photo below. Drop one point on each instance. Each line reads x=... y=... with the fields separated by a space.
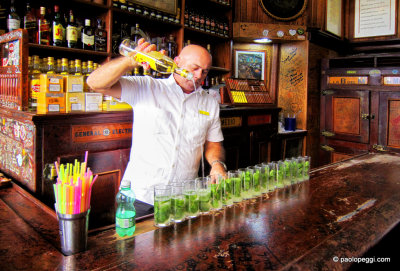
x=343 y=210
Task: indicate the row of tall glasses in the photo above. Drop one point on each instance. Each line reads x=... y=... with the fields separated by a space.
x=180 y=200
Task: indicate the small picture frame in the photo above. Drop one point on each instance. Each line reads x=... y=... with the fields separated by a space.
x=250 y=64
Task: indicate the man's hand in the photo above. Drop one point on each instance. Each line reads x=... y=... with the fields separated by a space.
x=218 y=168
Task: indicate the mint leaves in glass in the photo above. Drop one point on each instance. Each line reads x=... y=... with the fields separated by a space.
x=162 y=205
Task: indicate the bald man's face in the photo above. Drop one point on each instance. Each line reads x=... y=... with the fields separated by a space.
x=196 y=60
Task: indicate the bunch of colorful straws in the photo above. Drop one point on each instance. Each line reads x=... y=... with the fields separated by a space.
x=73 y=188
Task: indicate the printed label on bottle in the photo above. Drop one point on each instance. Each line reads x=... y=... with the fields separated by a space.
x=35 y=88
x=54 y=107
x=13 y=24
x=125 y=222
x=58 y=31
x=88 y=40
x=72 y=33
x=30 y=25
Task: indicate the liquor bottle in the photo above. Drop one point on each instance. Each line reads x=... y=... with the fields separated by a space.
x=125 y=223
x=137 y=34
x=50 y=65
x=64 y=66
x=34 y=83
x=58 y=66
x=58 y=28
x=71 y=67
x=72 y=32
x=78 y=67
x=44 y=30
x=177 y=18
x=43 y=65
x=89 y=70
x=30 y=24
x=156 y=60
x=123 y=5
x=202 y=23
x=186 y=18
x=13 y=20
x=87 y=36
x=84 y=68
x=171 y=46
x=115 y=3
x=136 y=72
x=100 y=37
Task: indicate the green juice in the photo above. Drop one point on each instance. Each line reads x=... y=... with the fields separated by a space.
x=178 y=208
x=191 y=203
x=237 y=189
x=162 y=211
x=204 y=200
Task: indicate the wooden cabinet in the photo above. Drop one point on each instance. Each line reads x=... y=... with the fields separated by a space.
x=359 y=106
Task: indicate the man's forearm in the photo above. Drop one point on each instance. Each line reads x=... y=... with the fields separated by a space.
x=215 y=152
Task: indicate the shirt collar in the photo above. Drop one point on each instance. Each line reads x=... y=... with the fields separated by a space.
x=171 y=80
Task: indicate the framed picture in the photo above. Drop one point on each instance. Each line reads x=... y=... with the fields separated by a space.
x=250 y=64
x=168 y=6
x=334 y=17
x=284 y=10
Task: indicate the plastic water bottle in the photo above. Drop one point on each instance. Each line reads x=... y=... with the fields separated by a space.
x=125 y=216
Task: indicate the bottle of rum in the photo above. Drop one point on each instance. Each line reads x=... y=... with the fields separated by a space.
x=72 y=32
x=30 y=24
x=78 y=67
x=13 y=20
x=34 y=83
x=58 y=28
x=44 y=31
x=50 y=65
x=64 y=66
x=87 y=36
x=100 y=37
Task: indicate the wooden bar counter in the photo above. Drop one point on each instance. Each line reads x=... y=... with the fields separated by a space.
x=343 y=210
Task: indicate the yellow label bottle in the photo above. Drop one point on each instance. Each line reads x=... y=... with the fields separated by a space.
x=34 y=83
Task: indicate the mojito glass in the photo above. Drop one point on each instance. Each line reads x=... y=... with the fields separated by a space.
x=178 y=209
x=204 y=192
x=306 y=169
x=287 y=174
x=227 y=191
x=271 y=176
x=247 y=183
x=191 y=198
x=162 y=205
x=216 y=185
x=263 y=177
x=254 y=172
x=280 y=174
x=236 y=182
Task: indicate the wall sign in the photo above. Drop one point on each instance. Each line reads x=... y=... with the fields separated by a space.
x=101 y=132
x=284 y=10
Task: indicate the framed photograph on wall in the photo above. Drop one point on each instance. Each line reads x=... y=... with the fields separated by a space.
x=168 y=6
x=250 y=64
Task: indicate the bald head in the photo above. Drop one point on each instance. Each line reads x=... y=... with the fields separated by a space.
x=196 y=51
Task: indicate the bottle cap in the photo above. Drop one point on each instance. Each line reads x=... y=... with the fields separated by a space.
x=125 y=183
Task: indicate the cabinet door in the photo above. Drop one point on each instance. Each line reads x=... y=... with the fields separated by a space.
x=389 y=120
x=345 y=115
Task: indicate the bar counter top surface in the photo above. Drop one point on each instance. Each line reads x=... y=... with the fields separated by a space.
x=343 y=210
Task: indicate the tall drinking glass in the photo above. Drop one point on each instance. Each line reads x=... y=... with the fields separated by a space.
x=287 y=173
x=263 y=177
x=227 y=191
x=191 y=198
x=307 y=164
x=162 y=205
x=178 y=210
x=204 y=192
x=255 y=173
x=233 y=175
x=247 y=183
x=272 y=176
x=298 y=169
x=216 y=185
x=280 y=173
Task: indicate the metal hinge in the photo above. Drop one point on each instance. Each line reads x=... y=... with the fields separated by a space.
x=379 y=147
x=367 y=116
x=327 y=148
x=327 y=92
x=327 y=133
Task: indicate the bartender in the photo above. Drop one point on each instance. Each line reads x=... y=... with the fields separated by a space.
x=175 y=120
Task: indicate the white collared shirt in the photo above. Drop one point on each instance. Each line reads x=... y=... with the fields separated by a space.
x=169 y=132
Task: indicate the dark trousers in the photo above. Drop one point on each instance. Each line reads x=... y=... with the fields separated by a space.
x=143 y=208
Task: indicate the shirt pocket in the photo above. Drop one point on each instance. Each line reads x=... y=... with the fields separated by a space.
x=197 y=128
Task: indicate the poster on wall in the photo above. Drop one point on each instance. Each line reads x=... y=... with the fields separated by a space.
x=374 y=18
x=334 y=17
x=250 y=64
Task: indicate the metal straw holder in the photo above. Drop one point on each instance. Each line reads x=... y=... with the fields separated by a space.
x=73 y=232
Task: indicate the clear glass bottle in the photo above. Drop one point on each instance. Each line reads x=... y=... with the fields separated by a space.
x=156 y=60
x=171 y=46
x=100 y=37
x=34 y=83
x=30 y=24
x=50 y=65
x=64 y=66
x=13 y=19
x=78 y=67
x=125 y=223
